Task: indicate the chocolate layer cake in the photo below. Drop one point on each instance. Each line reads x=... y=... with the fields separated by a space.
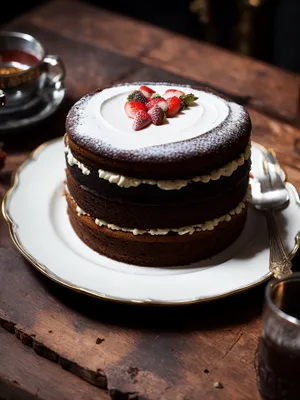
x=157 y=185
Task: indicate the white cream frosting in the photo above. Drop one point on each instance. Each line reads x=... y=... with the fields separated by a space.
x=126 y=182
x=73 y=161
x=79 y=210
x=104 y=117
x=205 y=226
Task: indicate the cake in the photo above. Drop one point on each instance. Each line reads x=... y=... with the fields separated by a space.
x=163 y=193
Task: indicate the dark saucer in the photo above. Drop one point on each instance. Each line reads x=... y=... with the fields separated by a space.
x=35 y=111
x=12 y=112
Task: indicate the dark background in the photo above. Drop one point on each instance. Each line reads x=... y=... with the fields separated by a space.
x=268 y=30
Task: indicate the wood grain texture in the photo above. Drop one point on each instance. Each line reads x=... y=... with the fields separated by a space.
x=281 y=138
x=264 y=87
x=92 y=25
x=21 y=378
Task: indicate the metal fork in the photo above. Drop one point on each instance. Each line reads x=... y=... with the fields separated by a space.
x=270 y=194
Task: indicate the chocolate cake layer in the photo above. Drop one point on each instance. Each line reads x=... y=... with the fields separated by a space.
x=155 y=251
x=184 y=169
x=194 y=210
x=152 y=194
x=179 y=159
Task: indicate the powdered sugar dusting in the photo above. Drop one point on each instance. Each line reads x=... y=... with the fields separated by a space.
x=207 y=128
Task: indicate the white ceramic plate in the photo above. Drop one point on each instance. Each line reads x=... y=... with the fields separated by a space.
x=35 y=210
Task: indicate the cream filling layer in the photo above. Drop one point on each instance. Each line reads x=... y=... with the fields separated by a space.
x=205 y=226
x=126 y=182
x=73 y=161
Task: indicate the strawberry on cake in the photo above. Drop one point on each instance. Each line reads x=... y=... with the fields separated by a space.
x=157 y=173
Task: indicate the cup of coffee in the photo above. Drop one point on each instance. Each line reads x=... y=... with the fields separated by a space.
x=25 y=69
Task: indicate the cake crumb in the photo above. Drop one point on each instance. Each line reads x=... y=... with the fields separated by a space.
x=218 y=385
x=99 y=340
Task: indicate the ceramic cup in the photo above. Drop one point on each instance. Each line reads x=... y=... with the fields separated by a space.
x=2 y=98
x=24 y=69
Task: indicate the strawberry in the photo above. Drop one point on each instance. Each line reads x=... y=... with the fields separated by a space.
x=173 y=92
x=141 y=120
x=132 y=107
x=160 y=101
x=157 y=115
x=147 y=92
x=174 y=105
x=137 y=95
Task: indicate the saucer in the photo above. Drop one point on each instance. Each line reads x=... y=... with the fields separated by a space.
x=42 y=233
x=34 y=112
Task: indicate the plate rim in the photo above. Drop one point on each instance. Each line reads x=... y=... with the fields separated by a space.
x=15 y=180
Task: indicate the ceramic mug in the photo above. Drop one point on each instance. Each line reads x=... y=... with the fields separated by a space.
x=25 y=69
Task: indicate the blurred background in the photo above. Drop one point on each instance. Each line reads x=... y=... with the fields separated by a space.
x=268 y=30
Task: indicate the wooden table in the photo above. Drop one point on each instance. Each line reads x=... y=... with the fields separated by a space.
x=57 y=344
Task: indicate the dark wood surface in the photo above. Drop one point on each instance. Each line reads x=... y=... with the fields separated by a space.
x=55 y=343
x=25 y=376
